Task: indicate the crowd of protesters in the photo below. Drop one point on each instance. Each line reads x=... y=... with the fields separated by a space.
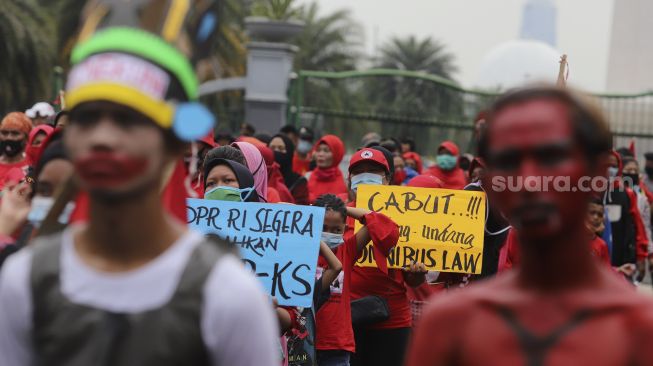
x=99 y=267
x=295 y=166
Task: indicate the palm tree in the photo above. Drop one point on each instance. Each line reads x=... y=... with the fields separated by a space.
x=405 y=97
x=330 y=42
x=327 y=43
x=67 y=14
x=27 y=54
x=276 y=9
x=414 y=96
x=426 y=55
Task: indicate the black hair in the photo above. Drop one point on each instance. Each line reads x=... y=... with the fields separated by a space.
x=224 y=134
x=54 y=150
x=249 y=129
x=306 y=133
x=628 y=159
x=331 y=203
x=289 y=129
x=410 y=142
x=227 y=153
x=590 y=127
x=263 y=137
x=625 y=152
x=58 y=116
x=389 y=158
x=596 y=200
x=390 y=145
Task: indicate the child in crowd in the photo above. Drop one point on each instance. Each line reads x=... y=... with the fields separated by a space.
x=335 y=336
x=299 y=324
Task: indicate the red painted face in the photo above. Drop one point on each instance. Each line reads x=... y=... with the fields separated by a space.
x=535 y=139
x=116 y=151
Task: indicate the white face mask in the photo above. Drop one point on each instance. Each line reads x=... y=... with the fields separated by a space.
x=304 y=146
x=332 y=240
x=41 y=207
x=365 y=178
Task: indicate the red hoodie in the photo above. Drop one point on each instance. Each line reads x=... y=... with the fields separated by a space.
x=31 y=152
x=418 y=160
x=451 y=179
x=329 y=180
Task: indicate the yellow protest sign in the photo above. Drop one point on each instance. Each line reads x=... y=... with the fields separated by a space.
x=441 y=228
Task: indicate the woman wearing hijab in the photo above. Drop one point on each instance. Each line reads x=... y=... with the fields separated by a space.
x=275 y=179
x=327 y=177
x=446 y=168
x=227 y=180
x=257 y=167
x=36 y=137
x=414 y=161
x=284 y=150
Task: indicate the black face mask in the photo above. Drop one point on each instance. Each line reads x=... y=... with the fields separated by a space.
x=631 y=178
x=11 y=148
x=649 y=171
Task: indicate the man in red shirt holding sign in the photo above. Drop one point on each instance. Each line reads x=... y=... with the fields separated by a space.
x=382 y=343
x=561 y=306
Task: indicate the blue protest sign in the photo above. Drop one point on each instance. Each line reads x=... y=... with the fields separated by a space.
x=280 y=243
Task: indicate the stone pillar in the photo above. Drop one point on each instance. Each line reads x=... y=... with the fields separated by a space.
x=269 y=65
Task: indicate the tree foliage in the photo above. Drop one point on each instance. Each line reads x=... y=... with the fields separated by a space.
x=27 y=54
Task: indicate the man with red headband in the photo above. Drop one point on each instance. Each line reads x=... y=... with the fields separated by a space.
x=14 y=131
x=561 y=306
x=133 y=285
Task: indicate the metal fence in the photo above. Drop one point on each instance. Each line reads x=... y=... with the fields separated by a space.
x=428 y=108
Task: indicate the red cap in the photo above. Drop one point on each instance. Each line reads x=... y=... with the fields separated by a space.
x=451 y=147
x=372 y=155
x=209 y=139
x=425 y=181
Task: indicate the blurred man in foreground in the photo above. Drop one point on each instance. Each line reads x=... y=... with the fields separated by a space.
x=561 y=306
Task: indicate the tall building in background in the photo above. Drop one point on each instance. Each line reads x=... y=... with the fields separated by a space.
x=539 y=21
x=630 y=65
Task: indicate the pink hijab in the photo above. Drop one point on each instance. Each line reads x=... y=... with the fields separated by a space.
x=257 y=166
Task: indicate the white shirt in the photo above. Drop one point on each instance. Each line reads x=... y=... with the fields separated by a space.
x=237 y=320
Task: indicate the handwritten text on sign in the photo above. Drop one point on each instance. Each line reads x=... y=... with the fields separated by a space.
x=278 y=242
x=441 y=228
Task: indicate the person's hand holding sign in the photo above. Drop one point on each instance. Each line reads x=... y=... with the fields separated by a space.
x=415 y=274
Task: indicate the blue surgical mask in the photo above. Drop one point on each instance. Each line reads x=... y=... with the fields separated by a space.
x=612 y=172
x=365 y=178
x=41 y=207
x=304 y=146
x=332 y=240
x=446 y=161
x=224 y=193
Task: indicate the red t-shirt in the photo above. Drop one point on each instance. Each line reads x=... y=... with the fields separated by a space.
x=451 y=179
x=6 y=168
x=366 y=281
x=333 y=320
x=299 y=165
x=600 y=250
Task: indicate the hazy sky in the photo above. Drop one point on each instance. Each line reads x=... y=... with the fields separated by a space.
x=471 y=28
